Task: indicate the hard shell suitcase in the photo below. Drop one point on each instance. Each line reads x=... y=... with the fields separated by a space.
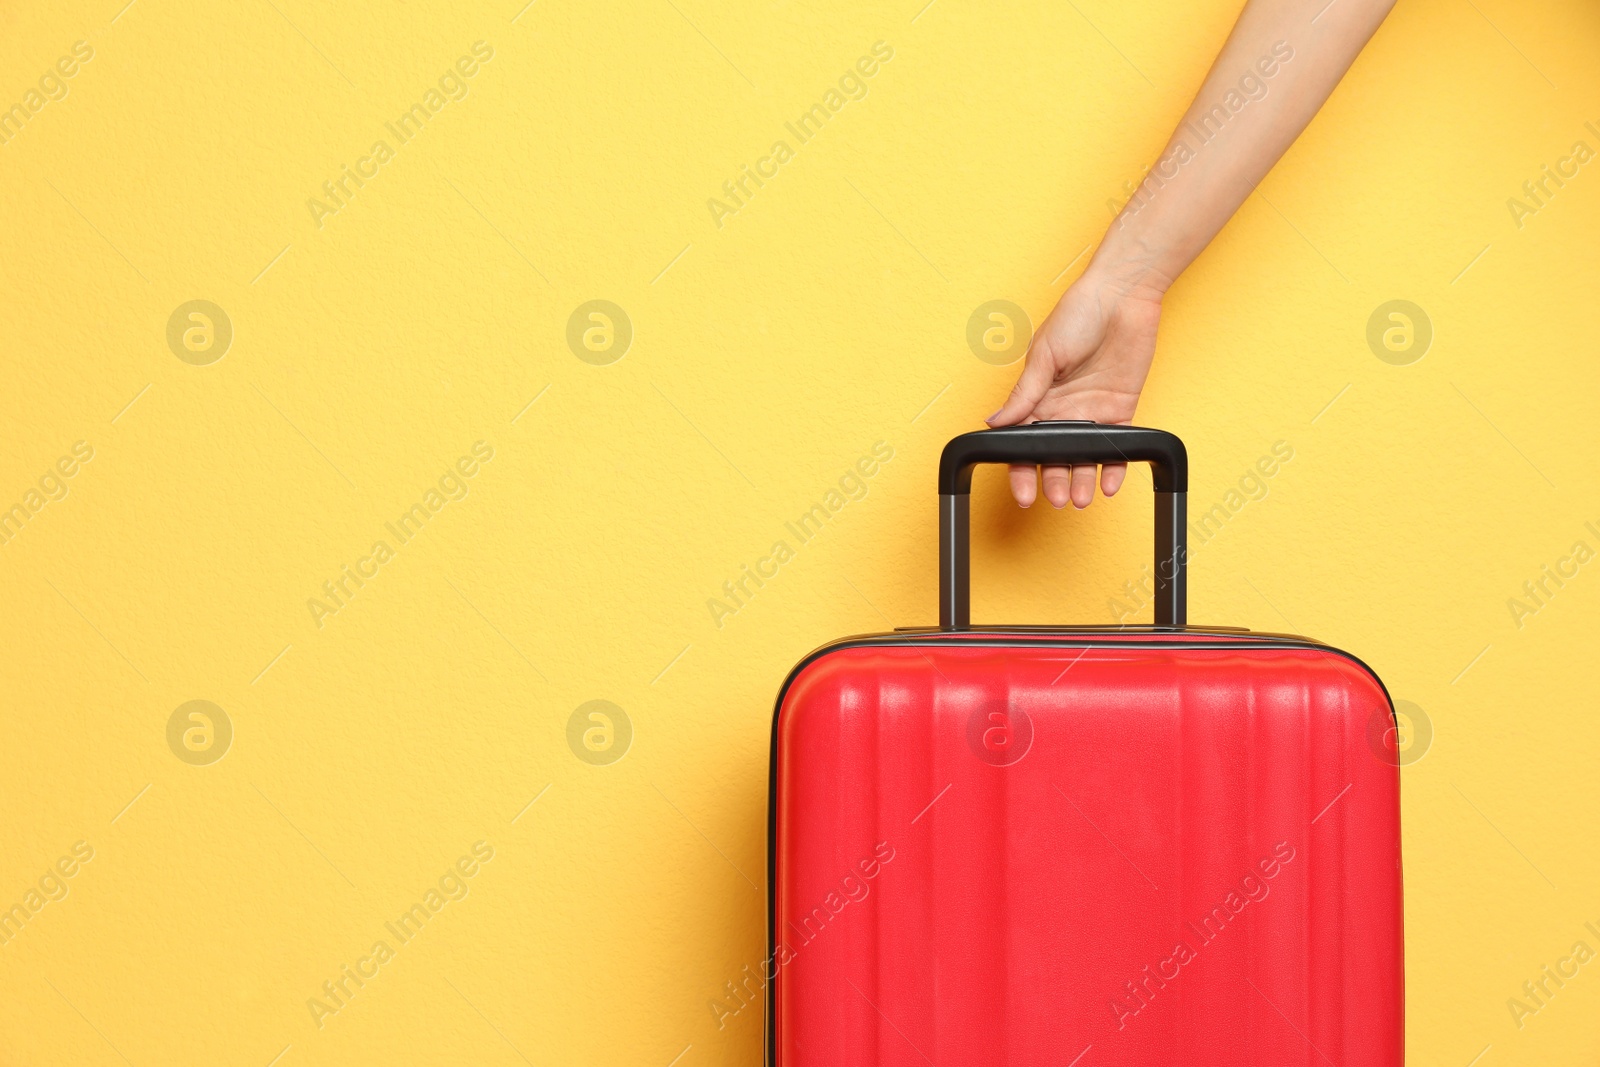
x=1163 y=845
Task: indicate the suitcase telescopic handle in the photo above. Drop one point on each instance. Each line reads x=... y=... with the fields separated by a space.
x=1063 y=443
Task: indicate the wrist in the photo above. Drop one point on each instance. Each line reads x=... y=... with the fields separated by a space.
x=1128 y=264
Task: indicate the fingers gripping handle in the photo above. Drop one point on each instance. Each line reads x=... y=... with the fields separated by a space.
x=1064 y=444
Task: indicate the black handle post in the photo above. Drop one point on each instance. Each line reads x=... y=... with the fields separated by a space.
x=1063 y=444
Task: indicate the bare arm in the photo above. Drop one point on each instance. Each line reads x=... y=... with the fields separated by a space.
x=1090 y=358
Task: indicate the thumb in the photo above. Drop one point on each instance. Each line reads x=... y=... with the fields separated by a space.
x=1037 y=374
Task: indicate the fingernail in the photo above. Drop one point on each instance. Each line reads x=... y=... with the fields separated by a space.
x=991 y=418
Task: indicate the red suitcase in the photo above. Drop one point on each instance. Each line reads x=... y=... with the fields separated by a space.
x=1162 y=845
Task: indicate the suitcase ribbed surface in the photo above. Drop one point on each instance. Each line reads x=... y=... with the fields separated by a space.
x=1127 y=852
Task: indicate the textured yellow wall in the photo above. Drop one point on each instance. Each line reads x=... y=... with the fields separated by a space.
x=405 y=342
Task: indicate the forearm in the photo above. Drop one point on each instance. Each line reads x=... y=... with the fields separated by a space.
x=1273 y=74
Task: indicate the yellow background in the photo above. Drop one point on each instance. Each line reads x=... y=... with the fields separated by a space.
x=768 y=355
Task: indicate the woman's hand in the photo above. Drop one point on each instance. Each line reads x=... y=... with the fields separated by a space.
x=1088 y=360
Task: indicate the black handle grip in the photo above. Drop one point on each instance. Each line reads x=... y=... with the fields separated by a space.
x=1064 y=444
